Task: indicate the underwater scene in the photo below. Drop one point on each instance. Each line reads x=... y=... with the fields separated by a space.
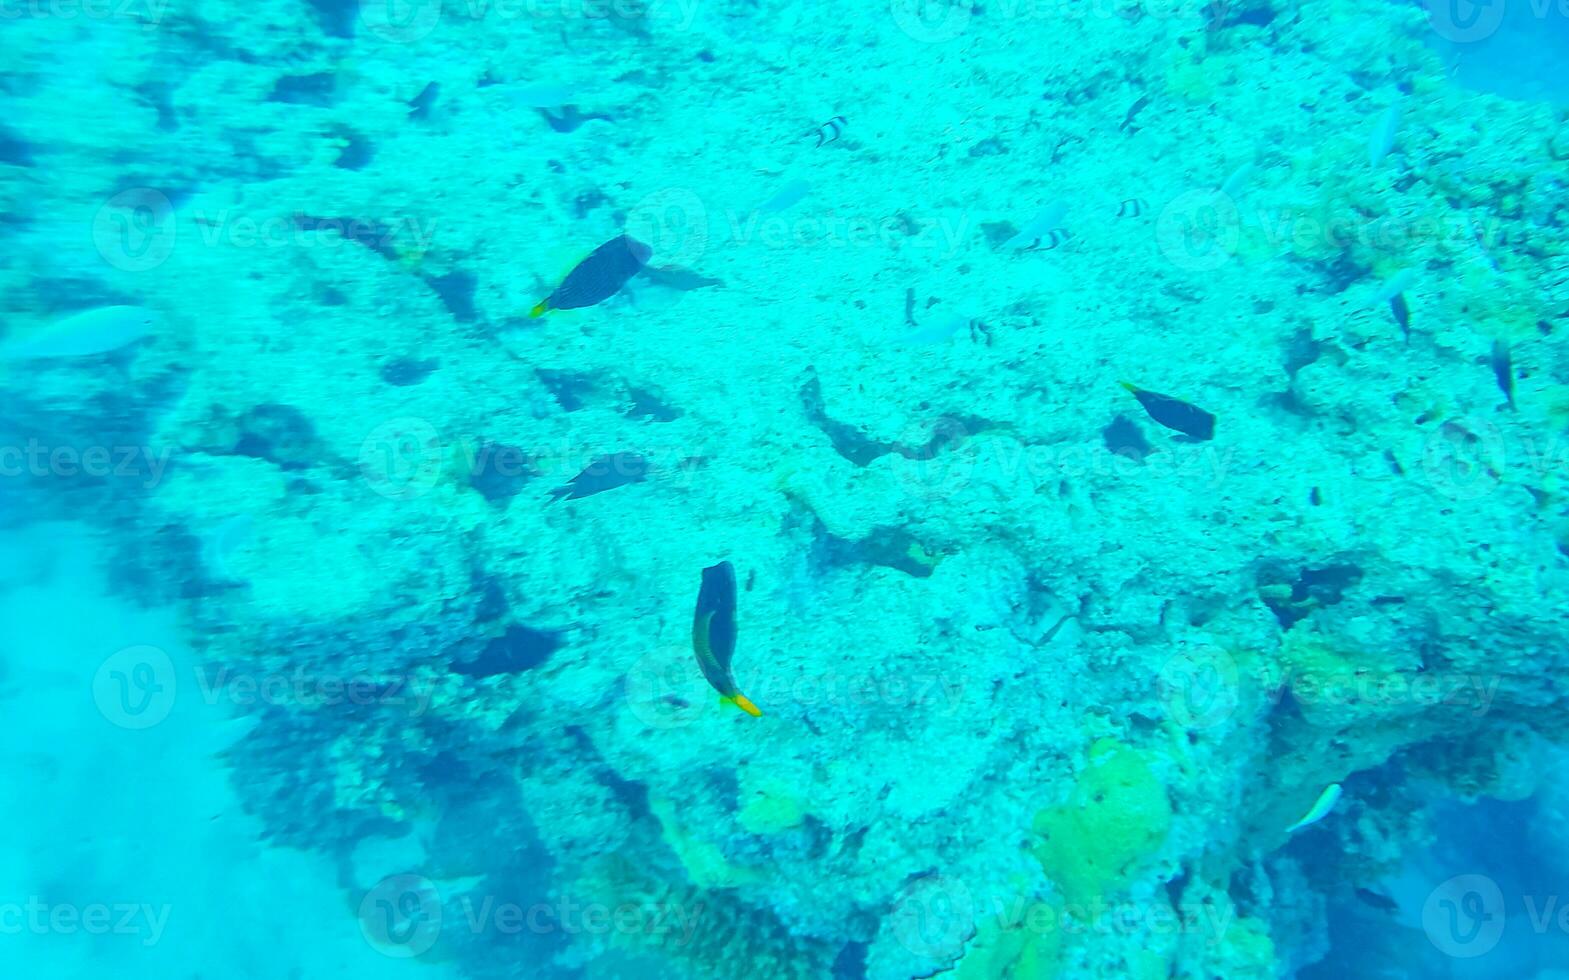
x=710 y=489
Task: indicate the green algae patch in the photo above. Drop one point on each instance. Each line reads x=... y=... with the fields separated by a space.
x=1247 y=952
x=1027 y=949
x=773 y=809
x=705 y=864
x=1117 y=815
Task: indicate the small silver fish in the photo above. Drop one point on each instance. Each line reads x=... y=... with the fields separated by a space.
x=938 y=331
x=1238 y=180
x=1394 y=286
x=1132 y=208
x=1383 y=139
x=1326 y=801
x=96 y=331
x=789 y=194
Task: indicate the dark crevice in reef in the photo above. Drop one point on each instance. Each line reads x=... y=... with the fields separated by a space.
x=1123 y=437
x=859 y=448
x=279 y=434
x=651 y=406
x=402 y=372
x=519 y=649
x=890 y=547
x=568 y=388
x=455 y=288
x=456 y=292
x=500 y=472
x=630 y=793
x=336 y=17
x=318 y=89
x=493 y=602
x=1292 y=598
x=373 y=235
x=14 y=150
x=358 y=151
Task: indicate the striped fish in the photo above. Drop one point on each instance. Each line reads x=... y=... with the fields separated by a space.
x=1132 y=208
x=830 y=130
x=1048 y=241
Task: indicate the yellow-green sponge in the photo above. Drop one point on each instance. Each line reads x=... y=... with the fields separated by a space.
x=1117 y=814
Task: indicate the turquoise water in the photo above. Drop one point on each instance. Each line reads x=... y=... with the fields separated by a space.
x=713 y=488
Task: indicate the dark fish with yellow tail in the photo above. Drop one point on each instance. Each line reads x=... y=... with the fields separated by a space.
x=598 y=277
x=1174 y=413
x=713 y=634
